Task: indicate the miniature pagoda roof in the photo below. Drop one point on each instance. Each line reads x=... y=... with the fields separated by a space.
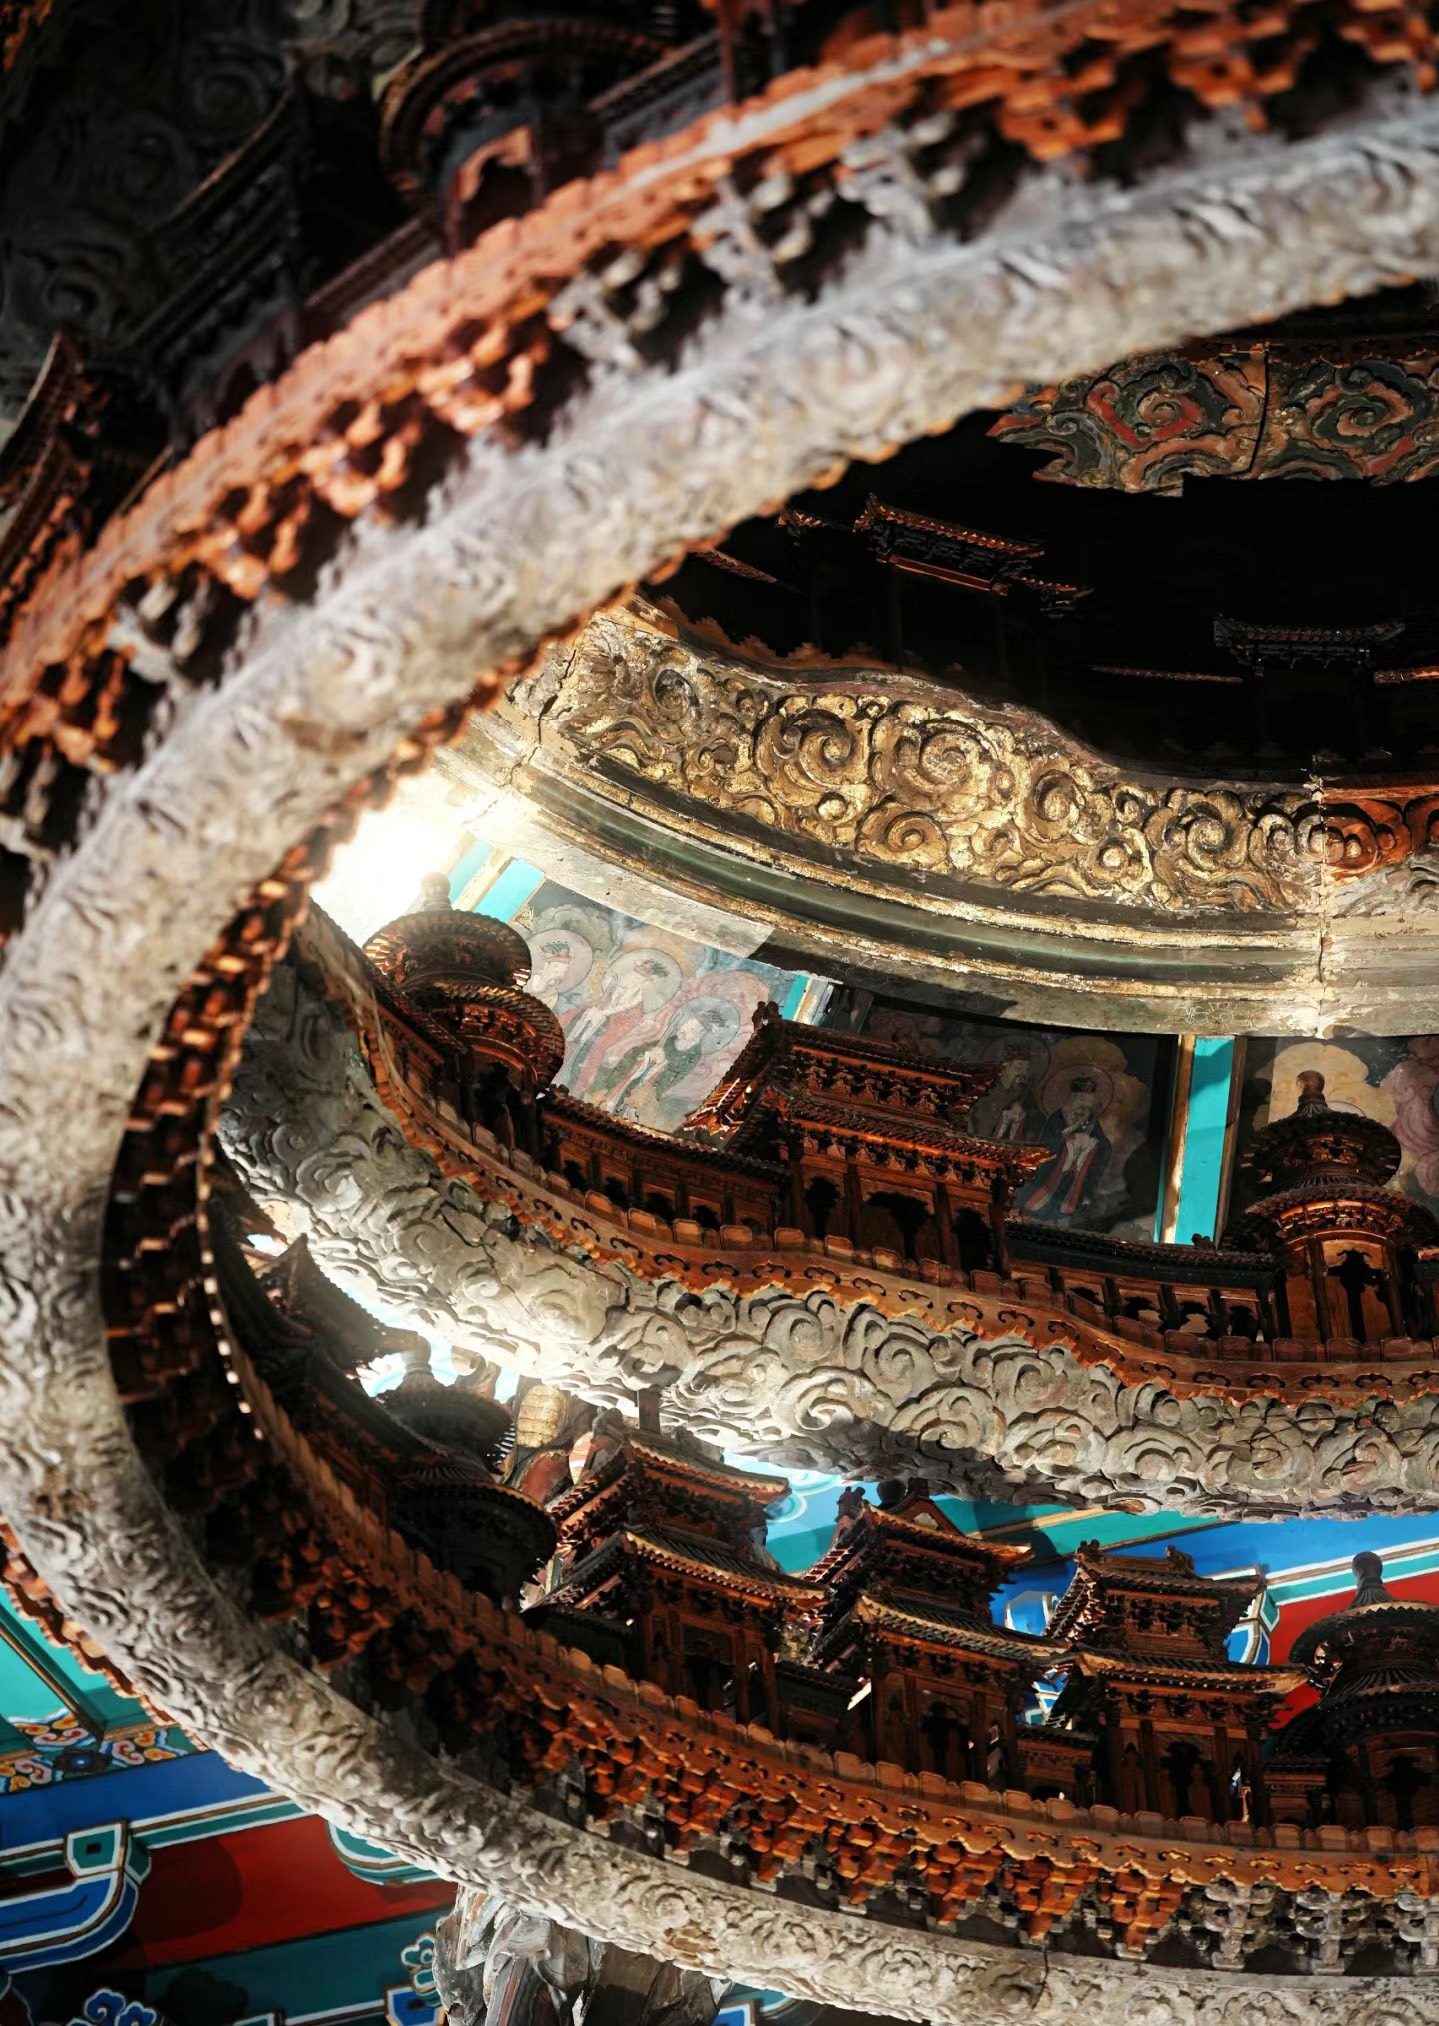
x=1316 y=1140
x=1301 y=1744
x=757 y=1485
x=443 y=950
x=790 y=1071
x=911 y=1535
x=1194 y=1670
x=694 y=1555
x=458 y=1417
x=1114 y=1602
x=946 y=549
x=1334 y=1165
x=349 y=1333
x=1396 y=1615
x=651 y=1141
x=1373 y=1630
x=931 y=1623
x=905 y=1568
x=1253 y=644
x=709 y=1477
x=976 y=558
x=294 y=1324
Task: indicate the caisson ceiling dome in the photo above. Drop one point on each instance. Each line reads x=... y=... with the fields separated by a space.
x=839 y=603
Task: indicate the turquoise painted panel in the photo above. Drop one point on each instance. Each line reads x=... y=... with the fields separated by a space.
x=509 y=892
x=1204 y=1138
x=462 y=873
x=354 y=1968
x=38 y=1679
x=22 y=1693
x=368 y=1861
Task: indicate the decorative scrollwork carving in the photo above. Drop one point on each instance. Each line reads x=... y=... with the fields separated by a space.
x=904 y=777
x=1269 y=410
x=1063 y=1991
x=295 y=711
x=921 y=801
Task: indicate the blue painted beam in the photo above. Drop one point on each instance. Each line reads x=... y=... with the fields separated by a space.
x=174 y=1787
x=510 y=891
x=62 y=1922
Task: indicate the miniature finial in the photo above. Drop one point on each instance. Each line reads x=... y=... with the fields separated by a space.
x=415 y=1353
x=435 y=889
x=1311 y=1092
x=1369 y=1579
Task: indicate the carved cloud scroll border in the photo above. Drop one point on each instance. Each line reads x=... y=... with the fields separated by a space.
x=883 y=775
x=1262 y=906
x=826 y=1376
x=519 y=541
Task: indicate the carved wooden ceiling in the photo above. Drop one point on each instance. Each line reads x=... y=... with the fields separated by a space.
x=1151 y=748
x=1250 y=629
x=367 y=483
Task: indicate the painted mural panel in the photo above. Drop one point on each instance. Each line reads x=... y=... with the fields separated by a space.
x=654 y=1011
x=1099 y=1102
x=1394 y=1081
x=652 y=1021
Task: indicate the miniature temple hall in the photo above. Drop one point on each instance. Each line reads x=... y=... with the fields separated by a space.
x=719 y=1055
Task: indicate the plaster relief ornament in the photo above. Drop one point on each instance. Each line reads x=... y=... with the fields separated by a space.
x=1044 y=858
x=817 y=1376
x=304 y=603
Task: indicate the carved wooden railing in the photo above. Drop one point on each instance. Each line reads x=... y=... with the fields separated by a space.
x=277 y=1522
x=165 y=625
x=1198 y=1317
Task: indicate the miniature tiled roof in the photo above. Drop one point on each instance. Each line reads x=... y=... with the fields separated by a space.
x=935 y=1533
x=1413 y=1614
x=914 y=1617
x=1097 y=1574
x=758 y=1485
x=777 y=1044
x=690 y=1554
x=1191 y=1671
x=710 y=1476
x=349 y=1333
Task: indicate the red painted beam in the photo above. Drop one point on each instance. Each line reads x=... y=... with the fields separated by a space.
x=254 y=1888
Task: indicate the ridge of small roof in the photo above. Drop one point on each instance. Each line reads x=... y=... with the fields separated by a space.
x=695 y=1552
x=941 y=1539
x=644 y=1443
x=1279 y=1679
